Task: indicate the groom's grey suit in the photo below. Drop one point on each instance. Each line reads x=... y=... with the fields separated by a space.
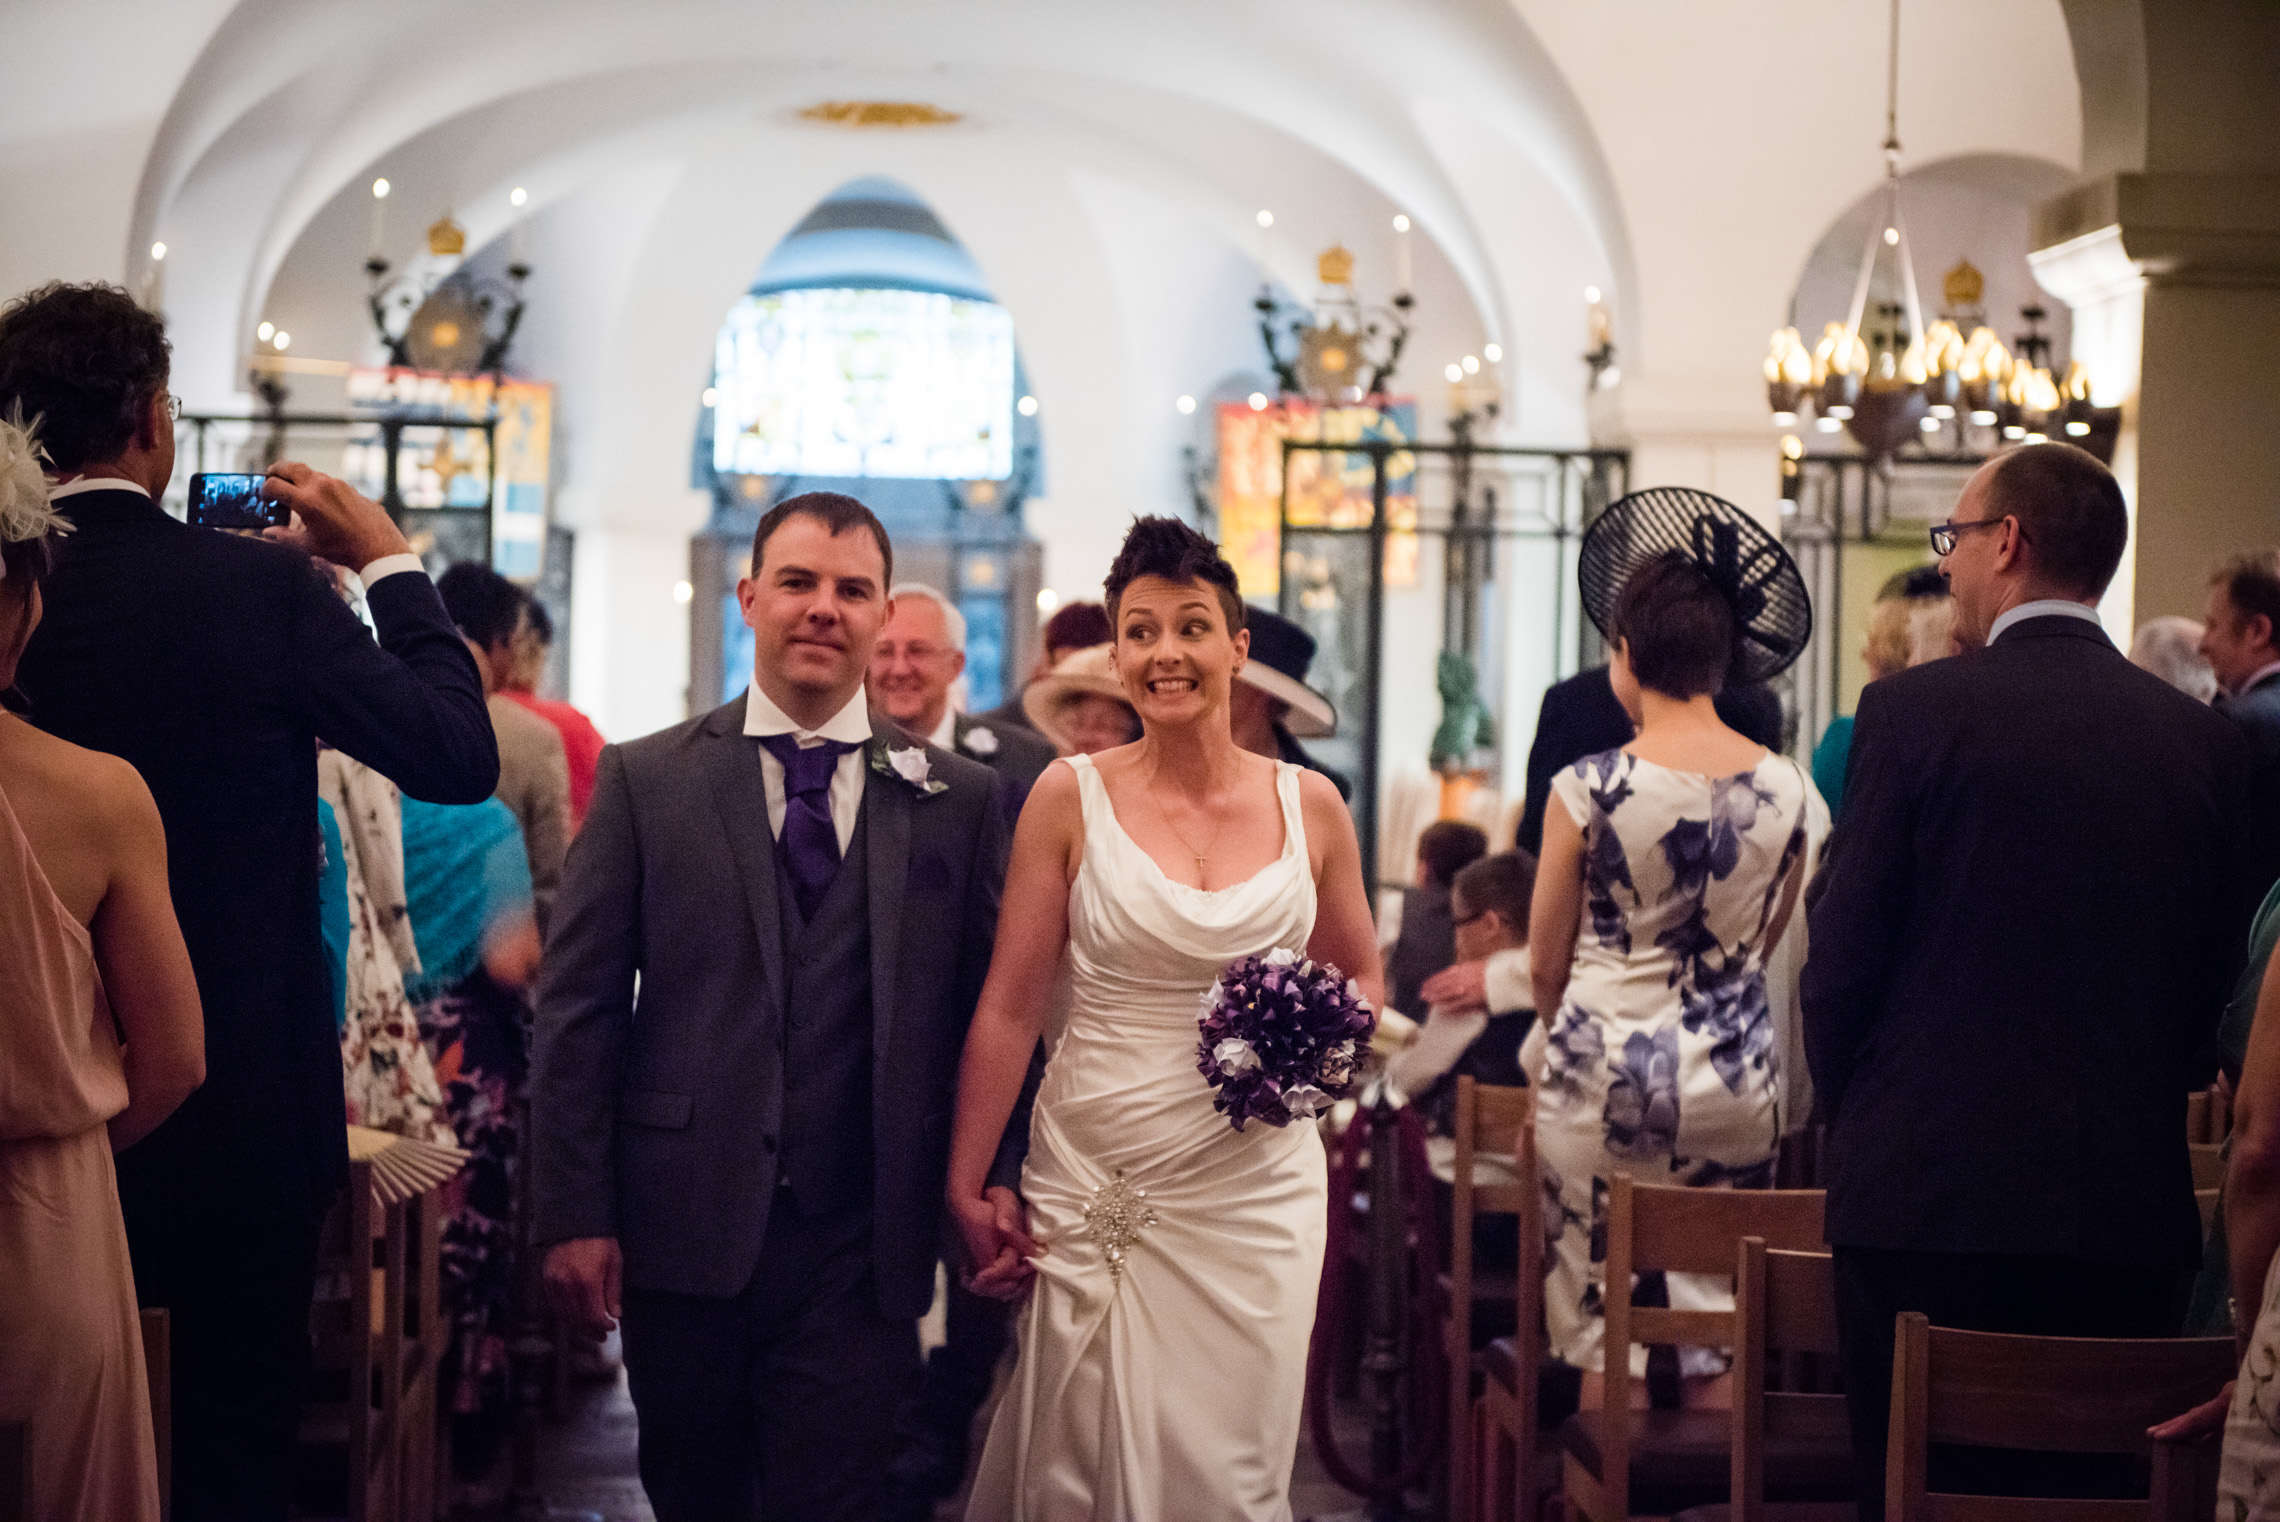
x=765 y=1128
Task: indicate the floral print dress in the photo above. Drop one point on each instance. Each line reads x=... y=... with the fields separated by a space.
x=1661 y=1061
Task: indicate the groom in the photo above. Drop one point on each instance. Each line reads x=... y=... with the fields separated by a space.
x=767 y=945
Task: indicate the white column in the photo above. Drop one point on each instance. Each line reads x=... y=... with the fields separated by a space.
x=629 y=632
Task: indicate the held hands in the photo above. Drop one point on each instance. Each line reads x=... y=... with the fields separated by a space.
x=995 y=1231
x=332 y=520
x=584 y=1277
x=1462 y=987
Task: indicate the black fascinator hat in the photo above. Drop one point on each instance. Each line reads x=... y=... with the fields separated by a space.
x=1772 y=615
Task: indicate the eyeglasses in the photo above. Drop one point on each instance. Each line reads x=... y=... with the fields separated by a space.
x=1943 y=534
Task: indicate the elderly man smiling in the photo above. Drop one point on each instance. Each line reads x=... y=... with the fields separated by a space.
x=920 y=655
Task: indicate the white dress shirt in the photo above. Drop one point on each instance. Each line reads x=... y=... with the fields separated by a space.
x=1447 y=1034
x=386 y=565
x=945 y=736
x=2259 y=677
x=2042 y=607
x=850 y=726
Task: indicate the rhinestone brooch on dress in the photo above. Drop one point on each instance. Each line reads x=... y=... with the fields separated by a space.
x=1114 y=1219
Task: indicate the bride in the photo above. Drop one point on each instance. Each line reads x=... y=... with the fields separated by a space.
x=1170 y=1260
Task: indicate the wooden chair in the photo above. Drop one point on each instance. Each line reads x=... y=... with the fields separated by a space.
x=379 y=1344
x=1492 y=1442
x=1785 y=1309
x=158 y=1372
x=2208 y=1117
x=2208 y=1164
x=1610 y=1450
x=2207 y=1199
x=2053 y=1395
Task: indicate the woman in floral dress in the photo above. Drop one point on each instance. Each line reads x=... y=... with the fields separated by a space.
x=1669 y=871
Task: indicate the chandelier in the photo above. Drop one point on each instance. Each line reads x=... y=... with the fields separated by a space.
x=1338 y=353
x=443 y=318
x=1906 y=380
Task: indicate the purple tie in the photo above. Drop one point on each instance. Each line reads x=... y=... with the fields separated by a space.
x=810 y=840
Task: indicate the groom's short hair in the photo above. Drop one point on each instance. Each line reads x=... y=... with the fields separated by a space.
x=837 y=512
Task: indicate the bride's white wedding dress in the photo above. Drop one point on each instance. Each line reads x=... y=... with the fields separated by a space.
x=1163 y=1350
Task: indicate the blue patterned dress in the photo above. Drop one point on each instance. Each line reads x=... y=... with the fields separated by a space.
x=1661 y=1061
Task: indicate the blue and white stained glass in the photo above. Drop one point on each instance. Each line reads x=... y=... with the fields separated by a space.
x=838 y=382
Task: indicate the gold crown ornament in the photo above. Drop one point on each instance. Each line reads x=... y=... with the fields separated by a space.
x=1336 y=266
x=447 y=239
x=1963 y=286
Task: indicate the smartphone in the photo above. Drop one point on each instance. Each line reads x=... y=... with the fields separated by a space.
x=220 y=499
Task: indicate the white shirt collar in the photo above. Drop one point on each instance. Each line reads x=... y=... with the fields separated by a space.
x=945 y=736
x=74 y=487
x=2042 y=607
x=2261 y=674
x=850 y=726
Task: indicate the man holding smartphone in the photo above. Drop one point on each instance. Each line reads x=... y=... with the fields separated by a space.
x=214 y=664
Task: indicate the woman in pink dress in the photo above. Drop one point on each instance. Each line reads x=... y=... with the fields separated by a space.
x=101 y=1036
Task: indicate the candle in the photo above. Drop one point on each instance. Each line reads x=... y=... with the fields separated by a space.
x=1402 y=270
x=516 y=248
x=379 y=215
x=155 y=283
x=1266 y=247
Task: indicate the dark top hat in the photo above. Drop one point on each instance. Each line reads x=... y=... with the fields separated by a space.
x=1281 y=652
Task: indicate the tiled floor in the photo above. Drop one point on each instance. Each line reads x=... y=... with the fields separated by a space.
x=586 y=1461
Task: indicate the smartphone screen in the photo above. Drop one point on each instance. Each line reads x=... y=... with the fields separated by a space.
x=231 y=500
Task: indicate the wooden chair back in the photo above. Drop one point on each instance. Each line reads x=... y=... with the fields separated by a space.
x=1785 y=1310
x=2207 y=1199
x=158 y=1371
x=2050 y=1395
x=1492 y=1121
x=1651 y=1227
x=2208 y=1115
x=2208 y=1164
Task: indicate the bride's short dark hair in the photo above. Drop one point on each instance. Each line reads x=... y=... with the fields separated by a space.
x=1168 y=548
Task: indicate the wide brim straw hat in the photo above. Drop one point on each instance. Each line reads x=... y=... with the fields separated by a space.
x=1281 y=652
x=1087 y=672
x=1773 y=616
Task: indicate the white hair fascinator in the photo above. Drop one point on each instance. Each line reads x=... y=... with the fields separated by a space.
x=24 y=510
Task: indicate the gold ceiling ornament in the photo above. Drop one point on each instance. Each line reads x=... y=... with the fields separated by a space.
x=1963 y=287
x=447 y=239
x=1336 y=266
x=880 y=113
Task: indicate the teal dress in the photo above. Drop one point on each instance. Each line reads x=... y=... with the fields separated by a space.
x=2208 y=1316
x=1830 y=758
x=332 y=909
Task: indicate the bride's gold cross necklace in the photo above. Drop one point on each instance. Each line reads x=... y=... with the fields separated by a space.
x=1200 y=856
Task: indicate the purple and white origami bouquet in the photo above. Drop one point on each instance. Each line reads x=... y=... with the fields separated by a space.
x=1282 y=1037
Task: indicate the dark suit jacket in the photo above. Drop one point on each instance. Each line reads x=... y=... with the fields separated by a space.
x=214 y=664
x=2257 y=712
x=2022 y=952
x=1580 y=718
x=1014 y=751
x=655 y=1120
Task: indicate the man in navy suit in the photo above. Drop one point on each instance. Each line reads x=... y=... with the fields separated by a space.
x=215 y=664
x=2241 y=639
x=2018 y=965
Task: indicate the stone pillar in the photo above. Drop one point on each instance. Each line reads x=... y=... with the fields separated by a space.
x=629 y=633
x=2174 y=282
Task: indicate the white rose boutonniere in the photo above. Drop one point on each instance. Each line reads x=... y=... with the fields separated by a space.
x=909 y=763
x=980 y=741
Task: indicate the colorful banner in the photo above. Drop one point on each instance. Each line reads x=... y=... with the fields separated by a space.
x=1328 y=489
x=443 y=463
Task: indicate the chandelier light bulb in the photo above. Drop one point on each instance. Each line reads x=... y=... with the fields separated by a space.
x=1929 y=424
x=1591 y=294
x=1258 y=401
x=1455 y=373
x=1184 y=405
x=683 y=592
x=1983 y=418
x=1400 y=223
x=1785 y=420
x=264 y=331
x=711 y=398
x=2077 y=428
x=379 y=190
x=1027 y=406
x=283 y=340
x=1266 y=219
x=1891 y=237
x=1827 y=424
x=1047 y=600
x=1471 y=362
x=518 y=197
x=1493 y=353
x=158 y=252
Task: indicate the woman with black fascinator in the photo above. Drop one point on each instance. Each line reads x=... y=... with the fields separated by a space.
x=1160 y=1241
x=1669 y=871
